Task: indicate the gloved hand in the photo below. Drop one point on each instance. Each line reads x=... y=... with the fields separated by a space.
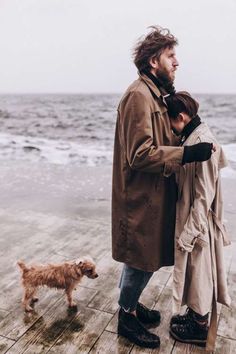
x=197 y=152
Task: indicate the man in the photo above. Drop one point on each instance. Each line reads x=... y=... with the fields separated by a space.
x=144 y=189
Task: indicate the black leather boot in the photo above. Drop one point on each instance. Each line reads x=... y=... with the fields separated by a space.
x=188 y=316
x=131 y=328
x=147 y=316
x=190 y=332
x=182 y=319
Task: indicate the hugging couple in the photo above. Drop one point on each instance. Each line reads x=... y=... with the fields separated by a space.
x=167 y=201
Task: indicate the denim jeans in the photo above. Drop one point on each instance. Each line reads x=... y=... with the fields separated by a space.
x=132 y=283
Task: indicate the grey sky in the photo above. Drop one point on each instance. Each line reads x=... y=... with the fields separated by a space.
x=85 y=46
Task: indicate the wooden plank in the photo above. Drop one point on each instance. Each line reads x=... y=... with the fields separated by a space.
x=3 y=314
x=94 y=231
x=18 y=322
x=181 y=348
x=112 y=325
x=225 y=346
x=111 y=343
x=5 y=344
x=227 y=321
x=82 y=333
x=160 y=277
x=41 y=336
x=107 y=285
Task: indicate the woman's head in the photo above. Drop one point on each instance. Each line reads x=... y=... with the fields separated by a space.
x=181 y=109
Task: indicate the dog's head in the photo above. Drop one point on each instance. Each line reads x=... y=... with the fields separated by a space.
x=87 y=267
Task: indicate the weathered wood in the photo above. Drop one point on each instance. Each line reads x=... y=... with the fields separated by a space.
x=225 y=346
x=38 y=237
x=18 y=322
x=44 y=333
x=5 y=344
x=181 y=348
x=227 y=321
x=3 y=314
x=110 y=343
x=82 y=333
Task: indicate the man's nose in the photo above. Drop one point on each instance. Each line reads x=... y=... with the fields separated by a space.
x=176 y=63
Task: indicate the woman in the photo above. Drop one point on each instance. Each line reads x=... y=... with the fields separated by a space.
x=199 y=279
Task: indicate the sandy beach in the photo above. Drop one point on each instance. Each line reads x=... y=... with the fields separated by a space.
x=49 y=213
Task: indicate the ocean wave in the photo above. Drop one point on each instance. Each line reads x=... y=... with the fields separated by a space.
x=53 y=151
x=91 y=152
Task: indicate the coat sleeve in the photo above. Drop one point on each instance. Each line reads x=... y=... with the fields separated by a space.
x=196 y=226
x=137 y=133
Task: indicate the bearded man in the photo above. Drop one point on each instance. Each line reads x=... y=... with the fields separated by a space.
x=144 y=189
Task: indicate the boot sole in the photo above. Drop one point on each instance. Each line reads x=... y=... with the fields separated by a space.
x=134 y=340
x=199 y=342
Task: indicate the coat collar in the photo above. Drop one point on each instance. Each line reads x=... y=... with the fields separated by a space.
x=189 y=128
x=151 y=85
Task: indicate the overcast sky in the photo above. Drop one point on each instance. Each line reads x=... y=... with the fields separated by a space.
x=85 y=45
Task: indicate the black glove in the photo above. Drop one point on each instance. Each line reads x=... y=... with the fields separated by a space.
x=197 y=152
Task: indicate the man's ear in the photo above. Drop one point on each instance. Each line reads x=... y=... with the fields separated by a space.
x=154 y=62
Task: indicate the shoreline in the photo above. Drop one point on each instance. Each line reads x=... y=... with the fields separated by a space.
x=77 y=191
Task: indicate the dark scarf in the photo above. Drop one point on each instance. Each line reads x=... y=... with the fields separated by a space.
x=189 y=128
x=162 y=83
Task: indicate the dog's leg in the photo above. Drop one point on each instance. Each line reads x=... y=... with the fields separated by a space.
x=69 y=291
x=28 y=295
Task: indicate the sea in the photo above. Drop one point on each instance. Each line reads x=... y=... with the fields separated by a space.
x=79 y=128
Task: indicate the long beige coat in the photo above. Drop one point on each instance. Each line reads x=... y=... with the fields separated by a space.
x=143 y=197
x=199 y=277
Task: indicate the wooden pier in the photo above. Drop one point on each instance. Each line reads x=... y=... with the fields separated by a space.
x=46 y=238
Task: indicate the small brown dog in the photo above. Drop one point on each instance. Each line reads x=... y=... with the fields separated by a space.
x=60 y=276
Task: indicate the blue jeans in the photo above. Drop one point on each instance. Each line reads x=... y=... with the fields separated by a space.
x=132 y=283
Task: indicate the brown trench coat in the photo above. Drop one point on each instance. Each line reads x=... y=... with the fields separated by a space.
x=199 y=278
x=143 y=197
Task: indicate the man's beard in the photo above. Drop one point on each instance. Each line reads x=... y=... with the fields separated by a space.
x=165 y=81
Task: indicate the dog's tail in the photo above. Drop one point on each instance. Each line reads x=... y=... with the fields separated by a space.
x=22 y=266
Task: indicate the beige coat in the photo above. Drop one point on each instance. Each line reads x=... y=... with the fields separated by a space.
x=199 y=276
x=143 y=197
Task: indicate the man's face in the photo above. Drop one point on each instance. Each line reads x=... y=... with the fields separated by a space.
x=166 y=65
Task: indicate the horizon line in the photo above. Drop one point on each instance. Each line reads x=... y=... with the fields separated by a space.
x=98 y=93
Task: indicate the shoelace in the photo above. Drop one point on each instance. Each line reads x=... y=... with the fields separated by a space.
x=187 y=315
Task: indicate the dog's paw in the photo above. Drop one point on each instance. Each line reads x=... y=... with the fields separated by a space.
x=72 y=304
x=29 y=309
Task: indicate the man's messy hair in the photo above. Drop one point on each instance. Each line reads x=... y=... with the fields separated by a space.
x=152 y=46
x=181 y=102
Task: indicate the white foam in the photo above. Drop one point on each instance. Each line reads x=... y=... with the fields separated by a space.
x=53 y=151
x=66 y=152
x=230 y=151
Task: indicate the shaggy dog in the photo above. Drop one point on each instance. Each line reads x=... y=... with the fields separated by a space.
x=60 y=276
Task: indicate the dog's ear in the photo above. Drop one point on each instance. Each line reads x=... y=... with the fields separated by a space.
x=79 y=262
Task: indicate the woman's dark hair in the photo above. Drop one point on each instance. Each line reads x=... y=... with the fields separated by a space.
x=151 y=46
x=181 y=102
